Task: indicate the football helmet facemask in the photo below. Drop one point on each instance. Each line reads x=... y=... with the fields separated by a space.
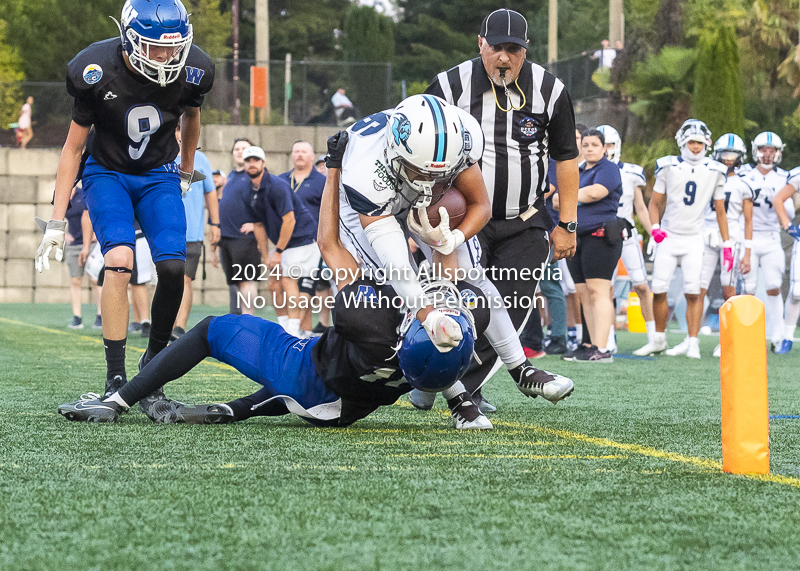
x=694 y=130
x=151 y=32
x=730 y=146
x=767 y=139
x=423 y=365
x=612 y=136
x=426 y=148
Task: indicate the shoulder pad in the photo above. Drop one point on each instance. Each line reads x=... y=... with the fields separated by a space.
x=94 y=66
x=668 y=161
x=717 y=166
x=199 y=70
x=793 y=173
x=781 y=171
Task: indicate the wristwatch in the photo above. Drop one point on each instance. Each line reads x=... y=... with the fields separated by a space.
x=570 y=227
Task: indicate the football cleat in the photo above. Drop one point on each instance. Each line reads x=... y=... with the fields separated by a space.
x=91 y=409
x=693 y=351
x=679 y=349
x=718 y=351
x=534 y=383
x=113 y=385
x=652 y=347
x=421 y=399
x=484 y=405
x=466 y=414
x=784 y=347
x=167 y=411
x=594 y=356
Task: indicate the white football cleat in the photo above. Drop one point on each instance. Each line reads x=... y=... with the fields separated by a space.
x=466 y=414
x=679 y=349
x=718 y=351
x=693 y=351
x=652 y=348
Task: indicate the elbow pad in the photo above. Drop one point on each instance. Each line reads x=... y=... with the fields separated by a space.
x=389 y=242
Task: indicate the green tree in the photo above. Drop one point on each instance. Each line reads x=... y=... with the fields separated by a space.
x=368 y=37
x=211 y=26
x=718 y=84
x=10 y=76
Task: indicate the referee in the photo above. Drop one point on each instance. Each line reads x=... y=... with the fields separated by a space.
x=526 y=115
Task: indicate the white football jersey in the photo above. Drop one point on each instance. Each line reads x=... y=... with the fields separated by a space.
x=765 y=187
x=736 y=191
x=689 y=189
x=632 y=176
x=366 y=184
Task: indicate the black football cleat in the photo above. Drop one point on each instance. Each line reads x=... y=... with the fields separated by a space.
x=167 y=411
x=533 y=382
x=91 y=408
x=466 y=414
x=113 y=385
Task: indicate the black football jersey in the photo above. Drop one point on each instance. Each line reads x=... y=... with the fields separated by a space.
x=134 y=118
x=357 y=357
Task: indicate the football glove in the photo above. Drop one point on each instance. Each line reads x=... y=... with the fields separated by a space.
x=441 y=238
x=727 y=255
x=712 y=238
x=794 y=231
x=337 y=144
x=54 y=232
x=444 y=331
x=658 y=234
x=187 y=179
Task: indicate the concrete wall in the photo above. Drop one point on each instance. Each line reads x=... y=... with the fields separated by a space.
x=27 y=180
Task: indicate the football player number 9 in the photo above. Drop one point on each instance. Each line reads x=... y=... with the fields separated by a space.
x=143 y=121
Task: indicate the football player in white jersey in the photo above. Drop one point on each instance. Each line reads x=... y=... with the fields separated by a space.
x=730 y=151
x=792 y=308
x=766 y=180
x=689 y=182
x=633 y=181
x=406 y=158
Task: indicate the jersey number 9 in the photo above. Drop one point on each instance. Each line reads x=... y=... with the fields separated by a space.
x=691 y=192
x=142 y=121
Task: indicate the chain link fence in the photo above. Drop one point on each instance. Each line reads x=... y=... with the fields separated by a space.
x=576 y=74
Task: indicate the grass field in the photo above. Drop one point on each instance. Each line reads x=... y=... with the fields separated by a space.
x=626 y=474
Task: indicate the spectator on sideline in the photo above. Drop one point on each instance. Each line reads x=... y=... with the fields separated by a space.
x=238 y=247
x=340 y=103
x=199 y=193
x=308 y=184
x=75 y=255
x=219 y=181
x=290 y=227
x=606 y=55
x=25 y=122
x=599 y=244
x=320 y=165
x=499 y=88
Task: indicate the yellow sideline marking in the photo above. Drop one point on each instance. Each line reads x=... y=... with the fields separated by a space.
x=99 y=341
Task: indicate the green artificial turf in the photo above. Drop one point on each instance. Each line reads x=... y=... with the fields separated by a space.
x=625 y=474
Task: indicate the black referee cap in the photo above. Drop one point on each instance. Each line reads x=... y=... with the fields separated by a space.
x=505 y=26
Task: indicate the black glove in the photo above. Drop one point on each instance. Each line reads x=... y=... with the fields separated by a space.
x=336 y=147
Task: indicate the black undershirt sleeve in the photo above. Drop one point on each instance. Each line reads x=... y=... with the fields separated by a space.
x=561 y=130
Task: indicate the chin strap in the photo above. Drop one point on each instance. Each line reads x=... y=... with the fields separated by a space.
x=508 y=95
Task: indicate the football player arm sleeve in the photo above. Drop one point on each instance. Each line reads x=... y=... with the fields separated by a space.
x=389 y=242
x=479 y=208
x=190 y=135
x=336 y=256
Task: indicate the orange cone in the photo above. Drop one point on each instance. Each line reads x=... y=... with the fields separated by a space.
x=743 y=373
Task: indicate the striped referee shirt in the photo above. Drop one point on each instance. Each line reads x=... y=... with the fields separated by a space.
x=518 y=142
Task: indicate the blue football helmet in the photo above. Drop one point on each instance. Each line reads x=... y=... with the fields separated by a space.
x=423 y=365
x=156 y=36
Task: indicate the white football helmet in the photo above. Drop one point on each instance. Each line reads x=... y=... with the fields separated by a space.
x=612 y=136
x=730 y=144
x=694 y=130
x=767 y=139
x=426 y=148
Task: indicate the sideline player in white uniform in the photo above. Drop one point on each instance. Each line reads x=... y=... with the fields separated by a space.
x=633 y=181
x=792 y=308
x=730 y=151
x=766 y=180
x=689 y=182
x=406 y=158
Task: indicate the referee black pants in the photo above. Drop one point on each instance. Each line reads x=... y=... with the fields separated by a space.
x=511 y=251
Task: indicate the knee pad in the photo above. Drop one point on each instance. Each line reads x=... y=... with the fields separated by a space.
x=170 y=271
x=306 y=286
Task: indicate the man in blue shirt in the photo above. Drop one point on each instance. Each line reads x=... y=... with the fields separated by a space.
x=193 y=201
x=308 y=184
x=289 y=226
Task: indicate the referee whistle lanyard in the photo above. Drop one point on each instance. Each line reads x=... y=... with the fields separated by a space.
x=508 y=95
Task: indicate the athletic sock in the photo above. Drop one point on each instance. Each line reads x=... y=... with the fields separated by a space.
x=693 y=341
x=453 y=391
x=651 y=328
x=791 y=312
x=578 y=331
x=233 y=307
x=659 y=336
x=775 y=316
x=283 y=321
x=117 y=399
x=293 y=327
x=115 y=358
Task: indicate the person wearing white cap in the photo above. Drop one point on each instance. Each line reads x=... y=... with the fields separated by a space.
x=689 y=182
x=289 y=226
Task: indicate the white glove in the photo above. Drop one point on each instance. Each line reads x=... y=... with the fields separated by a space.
x=712 y=238
x=441 y=238
x=651 y=247
x=188 y=178
x=444 y=331
x=54 y=232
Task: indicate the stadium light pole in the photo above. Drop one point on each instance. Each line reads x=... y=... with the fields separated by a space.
x=616 y=21
x=552 y=32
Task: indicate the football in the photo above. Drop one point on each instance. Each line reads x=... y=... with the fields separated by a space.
x=453 y=201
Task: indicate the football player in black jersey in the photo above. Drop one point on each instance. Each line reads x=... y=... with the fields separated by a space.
x=371 y=356
x=130 y=93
